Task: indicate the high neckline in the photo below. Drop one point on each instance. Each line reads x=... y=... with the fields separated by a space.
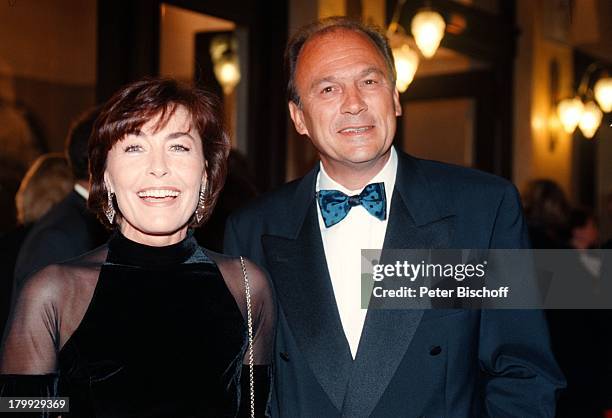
x=122 y=250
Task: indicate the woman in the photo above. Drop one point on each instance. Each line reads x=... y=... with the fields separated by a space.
x=150 y=324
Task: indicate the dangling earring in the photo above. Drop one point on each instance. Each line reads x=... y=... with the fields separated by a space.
x=109 y=210
x=201 y=204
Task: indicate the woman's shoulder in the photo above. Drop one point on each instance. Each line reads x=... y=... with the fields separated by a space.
x=238 y=264
x=55 y=281
x=235 y=269
x=44 y=285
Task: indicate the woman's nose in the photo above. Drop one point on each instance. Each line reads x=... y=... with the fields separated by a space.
x=158 y=166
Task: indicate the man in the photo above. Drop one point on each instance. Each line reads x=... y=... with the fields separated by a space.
x=68 y=229
x=333 y=358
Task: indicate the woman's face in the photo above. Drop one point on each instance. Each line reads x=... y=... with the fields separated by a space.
x=156 y=178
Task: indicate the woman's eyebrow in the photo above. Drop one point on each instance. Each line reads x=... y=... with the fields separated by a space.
x=175 y=135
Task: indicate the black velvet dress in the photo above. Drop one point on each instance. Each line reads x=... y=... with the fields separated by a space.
x=130 y=330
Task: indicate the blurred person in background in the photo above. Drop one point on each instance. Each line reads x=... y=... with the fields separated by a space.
x=584 y=237
x=608 y=214
x=11 y=173
x=547 y=211
x=19 y=146
x=45 y=184
x=577 y=340
x=584 y=229
x=69 y=229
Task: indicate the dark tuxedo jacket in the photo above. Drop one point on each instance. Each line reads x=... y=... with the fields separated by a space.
x=69 y=229
x=410 y=363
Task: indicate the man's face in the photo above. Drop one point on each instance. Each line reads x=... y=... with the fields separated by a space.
x=348 y=102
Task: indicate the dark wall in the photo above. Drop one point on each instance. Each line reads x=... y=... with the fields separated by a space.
x=128 y=49
x=489 y=38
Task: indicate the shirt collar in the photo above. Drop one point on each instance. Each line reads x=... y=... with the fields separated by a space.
x=82 y=191
x=385 y=175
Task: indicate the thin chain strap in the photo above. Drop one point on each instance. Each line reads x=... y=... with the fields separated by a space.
x=250 y=326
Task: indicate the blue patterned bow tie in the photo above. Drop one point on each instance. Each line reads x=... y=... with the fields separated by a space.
x=335 y=205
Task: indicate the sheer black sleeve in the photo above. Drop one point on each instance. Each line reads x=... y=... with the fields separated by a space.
x=264 y=321
x=32 y=333
x=47 y=308
x=262 y=303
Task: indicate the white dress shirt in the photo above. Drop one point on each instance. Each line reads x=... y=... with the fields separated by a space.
x=82 y=191
x=343 y=243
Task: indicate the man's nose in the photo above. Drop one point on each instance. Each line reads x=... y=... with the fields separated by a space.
x=353 y=102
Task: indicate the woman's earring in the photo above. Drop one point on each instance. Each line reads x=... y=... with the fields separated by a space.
x=109 y=210
x=201 y=203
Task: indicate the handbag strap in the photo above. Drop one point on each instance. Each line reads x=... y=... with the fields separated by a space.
x=247 y=290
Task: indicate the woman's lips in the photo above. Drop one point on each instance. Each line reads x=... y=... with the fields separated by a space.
x=158 y=195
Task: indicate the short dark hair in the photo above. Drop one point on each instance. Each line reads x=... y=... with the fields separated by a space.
x=77 y=143
x=546 y=204
x=139 y=102
x=327 y=25
x=579 y=217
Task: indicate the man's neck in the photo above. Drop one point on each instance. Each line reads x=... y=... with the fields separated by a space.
x=355 y=176
x=83 y=183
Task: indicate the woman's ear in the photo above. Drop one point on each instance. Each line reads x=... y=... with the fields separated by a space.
x=107 y=182
x=205 y=173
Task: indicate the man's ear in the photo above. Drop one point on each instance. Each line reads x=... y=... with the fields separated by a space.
x=396 y=102
x=297 y=116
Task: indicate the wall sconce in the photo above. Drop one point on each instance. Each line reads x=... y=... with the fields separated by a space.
x=603 y=93
x=406 y=60
x=569 y=112
x=224 y=53
x=428 y=27
x=587 y=115
x=406 y=63
x=590 y=119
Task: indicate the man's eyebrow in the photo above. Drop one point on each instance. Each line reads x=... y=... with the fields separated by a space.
x=332 y=79
x=329 y=79
x=371 y=70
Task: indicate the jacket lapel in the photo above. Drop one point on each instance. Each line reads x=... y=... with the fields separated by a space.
x=299 y=270
x=415 y=221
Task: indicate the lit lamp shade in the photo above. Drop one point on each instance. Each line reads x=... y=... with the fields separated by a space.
x=603 y=93
x=406 y=63
x=570 y=112
x=590 y=119
x=428 y=29
x=227 y=72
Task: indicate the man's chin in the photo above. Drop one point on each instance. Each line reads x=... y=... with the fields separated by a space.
x=366 y=157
